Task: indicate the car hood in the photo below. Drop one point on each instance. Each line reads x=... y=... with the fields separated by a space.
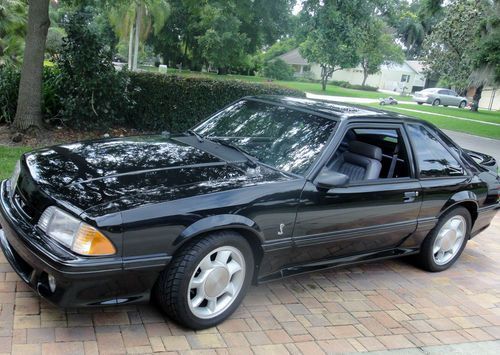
x=134 y=170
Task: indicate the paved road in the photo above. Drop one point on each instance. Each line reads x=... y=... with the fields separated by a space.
x=480 y=144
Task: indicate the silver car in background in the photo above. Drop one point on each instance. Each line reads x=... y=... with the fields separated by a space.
x=438 y=96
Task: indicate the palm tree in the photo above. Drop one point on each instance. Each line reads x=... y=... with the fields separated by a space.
x=134 y=20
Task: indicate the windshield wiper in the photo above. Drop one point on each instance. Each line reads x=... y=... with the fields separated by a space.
x=253 y=161
x=198 y=136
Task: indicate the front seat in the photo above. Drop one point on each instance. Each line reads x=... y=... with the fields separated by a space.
x=361 y=161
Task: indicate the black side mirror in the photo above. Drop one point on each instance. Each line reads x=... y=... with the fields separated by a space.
x=327 y=180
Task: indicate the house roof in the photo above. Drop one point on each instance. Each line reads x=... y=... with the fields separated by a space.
x=293 y=57
x=416 y=65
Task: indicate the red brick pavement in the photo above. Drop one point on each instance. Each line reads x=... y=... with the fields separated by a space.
x=375 y=306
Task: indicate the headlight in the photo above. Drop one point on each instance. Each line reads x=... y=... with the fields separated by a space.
x=75 y=234
x=14 y=178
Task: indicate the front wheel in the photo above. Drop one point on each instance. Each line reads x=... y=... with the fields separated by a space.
x=444 y=244
x=462 y=104
x=207 y=281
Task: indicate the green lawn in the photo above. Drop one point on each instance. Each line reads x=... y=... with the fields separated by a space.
x=8 y=158
x=474 y=128
x=482 y=115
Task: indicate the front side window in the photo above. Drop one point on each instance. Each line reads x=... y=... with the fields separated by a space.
x=287 y=139
x=368 y=153
x=434 y=160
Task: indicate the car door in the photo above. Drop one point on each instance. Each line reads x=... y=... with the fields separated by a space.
x=363 y=216
x=454 y=98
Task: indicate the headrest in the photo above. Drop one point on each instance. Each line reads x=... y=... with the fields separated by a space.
x=365 y=149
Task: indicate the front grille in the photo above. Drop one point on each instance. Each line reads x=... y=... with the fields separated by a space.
x=23 y=207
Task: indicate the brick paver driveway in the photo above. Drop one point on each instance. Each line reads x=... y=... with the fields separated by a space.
x=376 y=306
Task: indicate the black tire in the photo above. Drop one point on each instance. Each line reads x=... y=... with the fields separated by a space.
x=462 y=104
x=445 y=105
x=425 y=258
x=171 y=290
x=436 y=102
x=382 y=103
x=420 y=103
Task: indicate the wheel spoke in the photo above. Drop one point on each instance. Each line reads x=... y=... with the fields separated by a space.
x=206 y=264
x=233 y=267
x=212 y=304
x=197 y=300
x=223 y=256
x=455 y=224
x=230 y=289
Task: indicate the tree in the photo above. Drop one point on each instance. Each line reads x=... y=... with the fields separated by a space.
x=278 y=69
x=450 y=49
x=12 y=30
x=333 y=33
x=487 y=59
x=29 y=102
x=222 y=44
x=134 y=20
x=377 y=47
x=414 y=21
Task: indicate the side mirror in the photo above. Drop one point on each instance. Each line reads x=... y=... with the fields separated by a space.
x=329 y=179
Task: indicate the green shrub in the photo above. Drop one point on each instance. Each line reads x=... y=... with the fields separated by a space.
x=93 y=93
x=177 y=103
x=277 y=69
x=348 y=85
x=9 y=87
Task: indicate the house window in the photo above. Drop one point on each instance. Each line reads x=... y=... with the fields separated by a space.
x=405 y=78
x=306 y=68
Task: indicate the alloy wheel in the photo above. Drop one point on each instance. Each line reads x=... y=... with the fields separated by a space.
x=216 y=282
x=449 y=240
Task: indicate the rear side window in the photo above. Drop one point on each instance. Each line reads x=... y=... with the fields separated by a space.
x=433 y=159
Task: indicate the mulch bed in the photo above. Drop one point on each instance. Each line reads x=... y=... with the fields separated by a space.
x=56 y=135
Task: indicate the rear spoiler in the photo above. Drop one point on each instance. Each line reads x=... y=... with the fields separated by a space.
x=484 y=160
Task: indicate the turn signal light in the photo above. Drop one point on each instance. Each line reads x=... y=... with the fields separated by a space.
x=89 y=241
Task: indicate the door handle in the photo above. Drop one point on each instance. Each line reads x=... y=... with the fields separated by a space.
x=410 y=196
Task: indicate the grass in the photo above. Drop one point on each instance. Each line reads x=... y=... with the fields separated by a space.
x=478 y=129
x=482 y=115
x=8 y=158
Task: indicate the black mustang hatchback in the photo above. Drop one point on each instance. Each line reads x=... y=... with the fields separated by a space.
x=267 y=187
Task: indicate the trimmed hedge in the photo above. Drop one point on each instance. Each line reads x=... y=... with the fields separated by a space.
x=177 y=103
x=159 y=102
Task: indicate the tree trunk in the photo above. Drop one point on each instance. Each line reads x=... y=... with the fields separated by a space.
x=138 y=20
x=29 y=101
x=130 y=46
x=365 y=76
x=324 y=78
x=476 y=98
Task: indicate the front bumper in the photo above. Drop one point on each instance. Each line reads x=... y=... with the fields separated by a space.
x=80 y=281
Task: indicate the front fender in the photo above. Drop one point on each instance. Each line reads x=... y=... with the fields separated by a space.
x=218 y=222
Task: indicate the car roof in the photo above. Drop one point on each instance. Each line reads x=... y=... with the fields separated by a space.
x=336 y=110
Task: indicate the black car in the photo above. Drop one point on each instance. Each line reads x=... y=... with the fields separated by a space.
x=268 y=187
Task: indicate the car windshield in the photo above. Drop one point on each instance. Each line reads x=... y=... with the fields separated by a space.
x=286 y=139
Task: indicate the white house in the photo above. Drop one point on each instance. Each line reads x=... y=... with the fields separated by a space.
x=406 y=77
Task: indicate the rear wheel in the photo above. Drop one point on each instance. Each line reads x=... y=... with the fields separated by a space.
x=207 y=280
x=420 y=103
x=444 y=244
x=436 y=102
